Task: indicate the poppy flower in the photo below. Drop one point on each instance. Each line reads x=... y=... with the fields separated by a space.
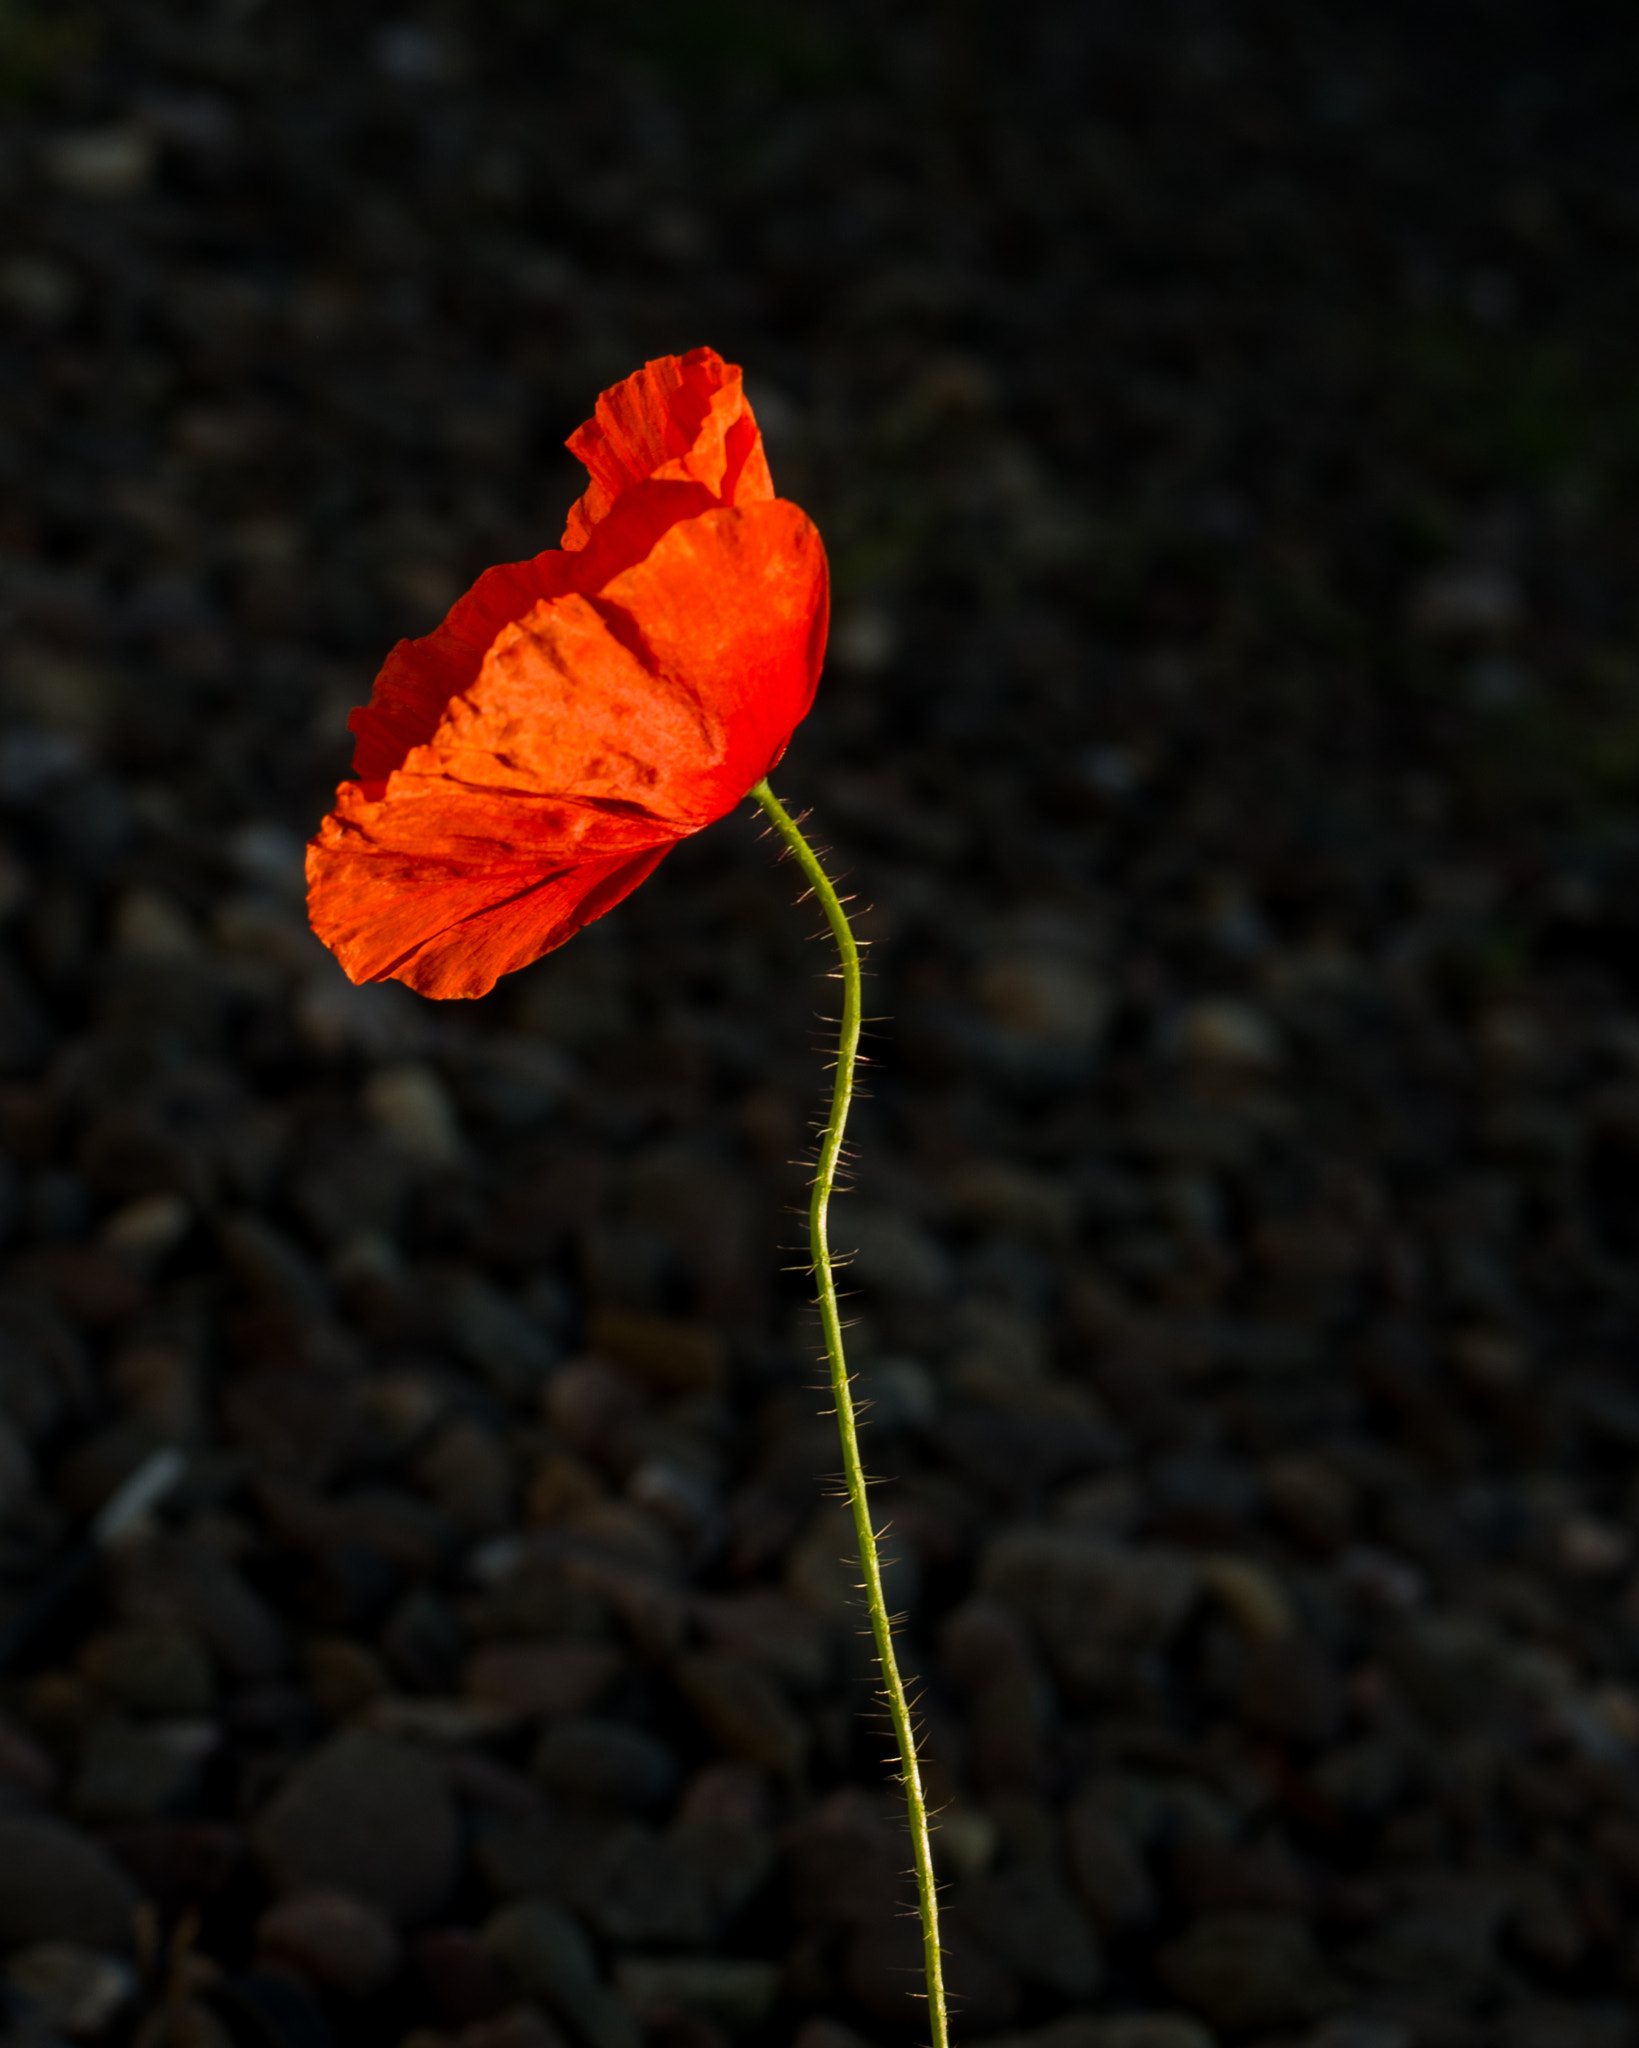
x=522 y=768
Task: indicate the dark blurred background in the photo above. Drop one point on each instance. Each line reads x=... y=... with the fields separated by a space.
x=1224 y=425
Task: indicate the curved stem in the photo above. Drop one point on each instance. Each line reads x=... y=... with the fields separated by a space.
x=825 y=1177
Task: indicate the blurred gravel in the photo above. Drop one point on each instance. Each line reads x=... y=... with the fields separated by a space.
x=1224 y=425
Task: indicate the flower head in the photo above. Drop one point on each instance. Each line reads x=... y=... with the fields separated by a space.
x=521 y=769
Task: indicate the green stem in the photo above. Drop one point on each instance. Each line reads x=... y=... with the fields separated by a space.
x=825 y=1180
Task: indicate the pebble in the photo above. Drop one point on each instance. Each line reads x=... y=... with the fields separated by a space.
x=78 y=1990
x=541 y=1678
x=157 y=1672
x=1221 y=1031
x=604 y=1764
x=1249 y=1970
x=337 y=1940
x=736 y=1993
x=462 y=1978
x=128 y=1772
x=661 y=1352
x=1111 y=1876
x=1026 y=1917
x=410 y=1106
x=550 y=1960
x=1096 y=1605
x=744 y=1710
x=56 y=1885
x=366 y=1815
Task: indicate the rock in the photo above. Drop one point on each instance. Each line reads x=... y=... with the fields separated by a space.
x=1222 y=1032
x=366 y=1815
x=817 y=2033
x=343 y=1676
x=1213 y=1875
x=641 y=1890
x=76 y=1989
x=1313 y=1500
x=462 y=1978
x=1028 y=1919
x=128 y=1772
x=1044 y=1000
x=57 y=1885
x=411 y=1107
x=495 y=1336
x=335 y=1939
x=1253 y=1596
x=1290 y=1689
x=188 y=1583
x=550 y=1960
x=890 y=1252
x=1249 y=1970
x=183 y=2023
x=1095 y=1605
x=1111 y=1875
x=767 y=1627
x=520 y=2027
x=595 y=1409
x=988 y=1650
x=1554 y=2023
x=1358 y=2030
x=160 y=1672
x=1442 y=1937
x=467 y=1471
x=744 y=1710
x=662 y=1352
x=1147 y=2030
x=541 y=1678
x=721 y=1831
x=603 y=1763
x=723 y=1988
x=1124 y=2030
x=112 y=162
x=27 y=1775
x=423 y=1641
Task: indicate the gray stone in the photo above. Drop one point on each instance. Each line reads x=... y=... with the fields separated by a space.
x=721 y=1831
x=544 y=1952
x=1095 y=1604
x=78 y=1990
x=337 y=1940
x=642 y=1890
x=162 y=1672
x=129 y=1773
x=185 y=1582
x=1030 y=1921
x=1111 y=1875
x=1147 y=2030
x=734 y=1992
x=368 y=1815
x=603 y=1763
x=744 y=1709
x=1249 y=1970
x=57 y=1885
x=1442 y=1940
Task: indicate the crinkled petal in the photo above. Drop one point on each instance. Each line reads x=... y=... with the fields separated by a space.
x=448 y=889
x=732 y=609
x=683 y=418
x=420 y=677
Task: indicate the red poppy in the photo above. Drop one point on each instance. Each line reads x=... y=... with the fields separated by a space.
x=526 y=765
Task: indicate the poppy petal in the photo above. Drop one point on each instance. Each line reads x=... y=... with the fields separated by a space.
x=732 y=607
x=683 y=418
x=451 y=912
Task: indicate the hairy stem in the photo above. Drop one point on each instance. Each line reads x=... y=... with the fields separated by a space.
x=825 y=1178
